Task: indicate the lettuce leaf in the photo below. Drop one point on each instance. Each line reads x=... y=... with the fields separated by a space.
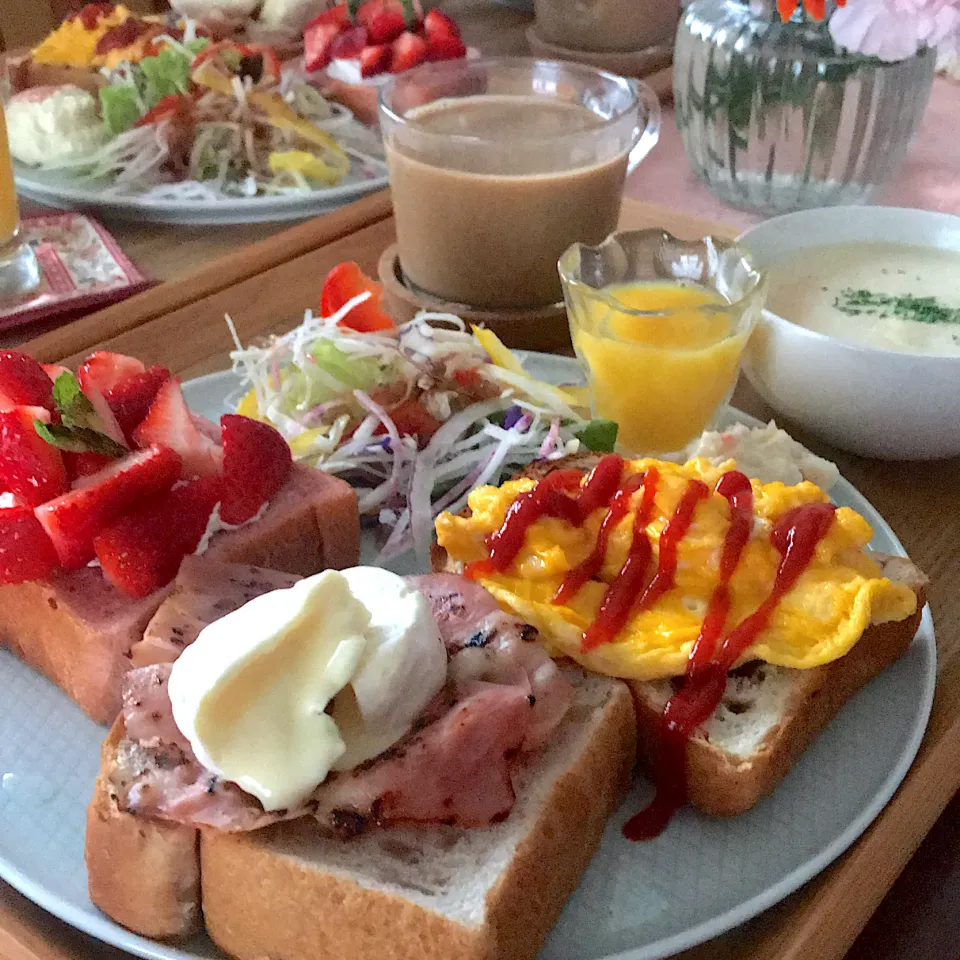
x=165 y=74
x=357 y=373
x=119 y=108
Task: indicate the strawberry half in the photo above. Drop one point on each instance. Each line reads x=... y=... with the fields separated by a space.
x=84 y=464
x=169 y=423
x=318 y=38
x=374 y=60
x=74 y=519
x=142 y=550
x=385 y=24
x=23 y=382
x=29 y=467
x=256 y=464
x=26 y=552
x=131 y=399
x=104 y=370
x=407 y=51
x=443 y=37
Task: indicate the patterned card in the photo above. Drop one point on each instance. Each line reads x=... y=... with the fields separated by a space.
x=81 y=267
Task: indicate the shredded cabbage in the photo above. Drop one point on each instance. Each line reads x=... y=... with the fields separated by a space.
x=339 y=397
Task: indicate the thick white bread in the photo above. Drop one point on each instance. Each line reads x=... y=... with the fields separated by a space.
x=769 y=715
x=143 y=873
x=437 y=893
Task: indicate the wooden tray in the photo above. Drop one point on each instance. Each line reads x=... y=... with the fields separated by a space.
x=266 y=287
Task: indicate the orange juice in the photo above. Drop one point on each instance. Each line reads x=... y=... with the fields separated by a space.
x=661 y=377
x=9 y=213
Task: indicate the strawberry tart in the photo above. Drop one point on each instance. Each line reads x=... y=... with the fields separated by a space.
x=357 y=50
x=107 y=482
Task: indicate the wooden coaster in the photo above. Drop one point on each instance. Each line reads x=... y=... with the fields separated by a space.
x=629 y=63
x=544 y=329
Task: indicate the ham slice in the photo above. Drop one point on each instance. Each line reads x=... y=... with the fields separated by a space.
x=503 y=698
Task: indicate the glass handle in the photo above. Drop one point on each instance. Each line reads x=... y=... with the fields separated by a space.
x=651 y=132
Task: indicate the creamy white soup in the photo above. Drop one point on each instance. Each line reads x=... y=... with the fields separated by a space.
x=887 y=295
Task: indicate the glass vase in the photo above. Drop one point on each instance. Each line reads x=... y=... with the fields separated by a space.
x=775 y=117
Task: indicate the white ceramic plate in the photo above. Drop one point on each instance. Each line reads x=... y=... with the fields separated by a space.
x=635 y=902
x=65 y=193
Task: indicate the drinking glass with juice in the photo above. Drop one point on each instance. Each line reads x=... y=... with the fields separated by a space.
x=659 y=325
x=19 y=271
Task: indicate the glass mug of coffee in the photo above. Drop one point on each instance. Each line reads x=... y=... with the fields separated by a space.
x=497 y=166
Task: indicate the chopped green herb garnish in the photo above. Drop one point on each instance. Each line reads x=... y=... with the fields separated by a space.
x=855 y=303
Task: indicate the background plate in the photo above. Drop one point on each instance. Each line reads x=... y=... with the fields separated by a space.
x=635 y=902
x=57 y=190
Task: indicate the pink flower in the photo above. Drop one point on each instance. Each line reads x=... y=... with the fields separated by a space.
x=894 y=29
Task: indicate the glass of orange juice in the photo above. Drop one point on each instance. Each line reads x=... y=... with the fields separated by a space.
x=659 y=325
x=19 y=272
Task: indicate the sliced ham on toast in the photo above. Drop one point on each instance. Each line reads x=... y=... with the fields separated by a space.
x=79 y=630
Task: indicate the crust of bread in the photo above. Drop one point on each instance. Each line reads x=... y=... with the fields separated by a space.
x=720 y=783
x=258 y=904
x=25 y=74
x=143 y=873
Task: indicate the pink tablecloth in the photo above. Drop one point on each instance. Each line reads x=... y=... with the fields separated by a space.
x=929 y=178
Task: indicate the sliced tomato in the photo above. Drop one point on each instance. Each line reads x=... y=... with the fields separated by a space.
x=413 y=419
x=172 y=105
x=229 y=51
x=469 y=379
x=346 y=281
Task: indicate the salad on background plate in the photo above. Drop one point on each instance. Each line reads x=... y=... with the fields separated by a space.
x=415 y=416
x=195 y=120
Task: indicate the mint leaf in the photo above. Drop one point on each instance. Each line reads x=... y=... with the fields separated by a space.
x=74 y=406
x=600 y=436
x=78 y=439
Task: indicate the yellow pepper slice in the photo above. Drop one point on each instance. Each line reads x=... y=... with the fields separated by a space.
x=300 y=161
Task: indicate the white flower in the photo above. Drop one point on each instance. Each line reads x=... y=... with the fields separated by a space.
x=894 y=29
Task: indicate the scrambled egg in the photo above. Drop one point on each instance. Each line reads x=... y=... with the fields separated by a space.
x=73 y=45
x=836 y=598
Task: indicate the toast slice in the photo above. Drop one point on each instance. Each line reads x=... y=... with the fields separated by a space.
x=431 y=892
x=78 y=630
x=768 y=715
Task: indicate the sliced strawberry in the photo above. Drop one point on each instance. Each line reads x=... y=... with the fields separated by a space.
x=385 y=24
x=81 y=465
x=374 y=60
x=337 y=15
x=130 y=400
x=30 y=468
x=348 y=44
x=74 y=519
x=23 y=382
x=317 y=41
x=26 y=552
x=346 y=281
x=105 y=371
x=170 y=424
x=407 y=51
x=142 y=550
x=256 y=464
x=445 y=48
x=437 y=24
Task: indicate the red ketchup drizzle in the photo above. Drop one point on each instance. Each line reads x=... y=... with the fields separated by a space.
x=795 y=536
x=122 y=36
x=622 y=593
x=547 y=499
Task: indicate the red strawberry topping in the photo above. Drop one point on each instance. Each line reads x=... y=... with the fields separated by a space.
x=141 y=551
x=318 y=38
x=104 y=371
x=374 y=60
x=84 y=464
x=170 y=424
x=443 y=37
x=72 y=520
x=348 y=44
x=23 y=382
x=256 y=464
x=26 y=552
x=29 y=467
x=385 y=24
x=130 y=400
x=408 y=50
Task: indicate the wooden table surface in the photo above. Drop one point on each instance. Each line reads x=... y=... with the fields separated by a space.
x=918 y=919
